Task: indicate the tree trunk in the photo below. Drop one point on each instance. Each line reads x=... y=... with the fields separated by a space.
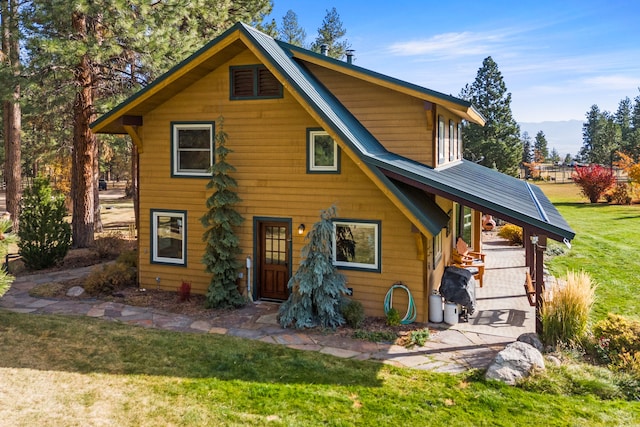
x=12 y=115
x=97 y=225
x=134 y=183
x=84 y=142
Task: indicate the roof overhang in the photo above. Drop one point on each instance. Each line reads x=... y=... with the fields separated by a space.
x=485 y=190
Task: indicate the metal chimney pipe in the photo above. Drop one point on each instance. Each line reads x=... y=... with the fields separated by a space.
x=350 y=53
x=324 y=48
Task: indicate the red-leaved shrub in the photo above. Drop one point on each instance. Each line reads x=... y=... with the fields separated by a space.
x=593 y=180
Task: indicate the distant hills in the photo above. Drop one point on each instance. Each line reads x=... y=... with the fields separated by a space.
x=565 y=136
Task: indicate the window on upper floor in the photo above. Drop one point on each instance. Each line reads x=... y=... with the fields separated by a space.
x=441 y=145
x=323 y=154
x=192 y=148
x=459 y=153
x=168 y=237
x=253 y=82
x=452 y=141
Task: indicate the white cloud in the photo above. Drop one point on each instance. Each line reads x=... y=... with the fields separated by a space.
x=458 y=44
x=613 y=82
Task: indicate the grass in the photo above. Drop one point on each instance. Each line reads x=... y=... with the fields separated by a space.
x=71 y=371
x=606 y=246
x=58 y=370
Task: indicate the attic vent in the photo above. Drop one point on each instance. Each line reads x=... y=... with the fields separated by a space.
x=254 y=81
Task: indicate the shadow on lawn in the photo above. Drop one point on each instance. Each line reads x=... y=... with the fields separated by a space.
x=81 y=345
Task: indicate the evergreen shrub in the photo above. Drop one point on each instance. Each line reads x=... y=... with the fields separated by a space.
x=316 y=288
x=353 y=312
x=45 y=236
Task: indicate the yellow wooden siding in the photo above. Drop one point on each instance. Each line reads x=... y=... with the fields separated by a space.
x=397 y=120
x=269 y=141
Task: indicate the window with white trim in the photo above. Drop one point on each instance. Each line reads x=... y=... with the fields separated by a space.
x=323 y=154
x=192 y=148
x=440 y=140
x=437 y=249
x=356 y=244
x=452 y=140
x=168 y=237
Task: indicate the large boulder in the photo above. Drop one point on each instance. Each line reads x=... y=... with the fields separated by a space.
x=515 y=362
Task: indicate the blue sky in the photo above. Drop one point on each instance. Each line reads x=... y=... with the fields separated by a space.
x=557 y=58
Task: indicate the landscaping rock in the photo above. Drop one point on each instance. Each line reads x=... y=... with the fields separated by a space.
x=75 y=291
x=515 y=362
x=532 y=338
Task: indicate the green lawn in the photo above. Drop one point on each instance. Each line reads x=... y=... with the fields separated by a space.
x=606 y=246
x=77 y=371
x=58 y=370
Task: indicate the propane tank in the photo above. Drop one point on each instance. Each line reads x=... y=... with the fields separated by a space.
x=436 y=309
x=450 y=313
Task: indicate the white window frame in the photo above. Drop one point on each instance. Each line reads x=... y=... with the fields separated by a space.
x=452 y=141
x=175 y=167
x=155 y=257
x=459 y=144
x=374 y=229
x=441 y=132
x=437 y=249
x=311 y=153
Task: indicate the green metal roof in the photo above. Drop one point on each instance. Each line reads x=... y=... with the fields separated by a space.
x=476 y=186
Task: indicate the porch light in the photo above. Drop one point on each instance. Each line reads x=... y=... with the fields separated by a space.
x=301 y=229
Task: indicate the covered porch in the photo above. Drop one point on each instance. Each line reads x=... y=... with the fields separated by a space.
x=502 y=308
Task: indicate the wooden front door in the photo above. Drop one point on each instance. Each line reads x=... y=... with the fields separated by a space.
x=274 y=257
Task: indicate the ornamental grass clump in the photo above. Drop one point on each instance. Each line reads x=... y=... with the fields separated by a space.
x=566 y=308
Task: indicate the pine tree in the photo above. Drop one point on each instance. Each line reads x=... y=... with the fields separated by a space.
x=45 y=236
x=601 y=137
x=527 y=148
x=497 y=142
x=222 y=245
x=11 y=108
x=330 y=34
x=316 y=288
x=541 y=151
x=91 y=53
x=290 y=31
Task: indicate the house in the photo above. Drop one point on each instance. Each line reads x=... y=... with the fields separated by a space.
x=308 y=132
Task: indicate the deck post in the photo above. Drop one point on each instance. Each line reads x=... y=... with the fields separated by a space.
x=540 y=247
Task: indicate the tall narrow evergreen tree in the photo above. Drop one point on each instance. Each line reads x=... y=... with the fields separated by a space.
x=527 y=148
x=497 y=143
x=316 y=287
x=329 y=34
x=222 y=245
x=540 y=146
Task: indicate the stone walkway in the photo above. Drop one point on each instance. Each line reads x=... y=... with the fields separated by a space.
x=501 y=316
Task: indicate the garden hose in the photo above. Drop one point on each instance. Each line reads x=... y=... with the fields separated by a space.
x=411 y=307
